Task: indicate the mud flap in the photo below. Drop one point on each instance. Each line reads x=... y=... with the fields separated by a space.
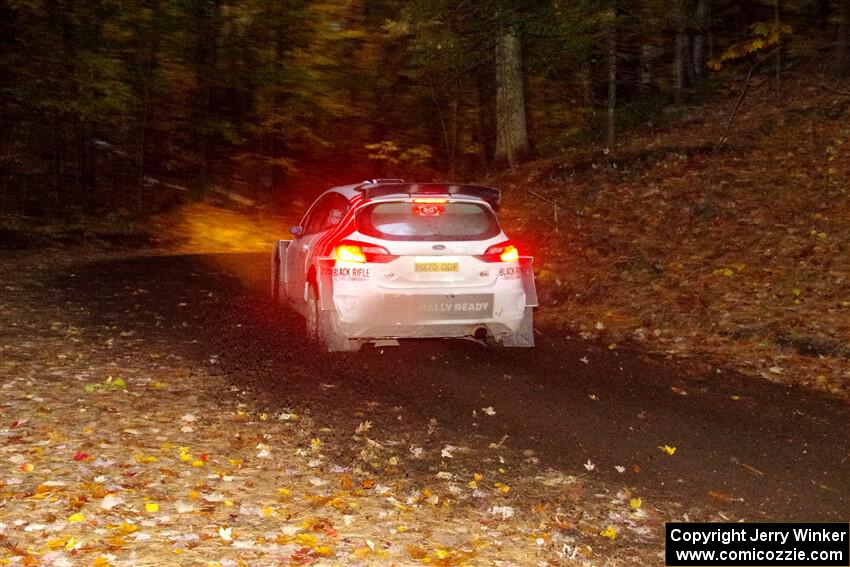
x=324 y=280
x=278 y=271
x=524 y=337
x=525 y=263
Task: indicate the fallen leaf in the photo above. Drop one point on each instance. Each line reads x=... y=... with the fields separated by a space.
x=610 y=532
x=720 y=496
x=110 y=501
x=668 y=449
x=225 y=533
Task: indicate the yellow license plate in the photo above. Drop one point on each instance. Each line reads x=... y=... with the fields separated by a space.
x=437 y=266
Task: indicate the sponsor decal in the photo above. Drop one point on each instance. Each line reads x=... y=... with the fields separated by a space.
x=456 y=307
x=352 y=274
x=510 y=273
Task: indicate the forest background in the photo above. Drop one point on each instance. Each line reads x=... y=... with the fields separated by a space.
x=120 y=104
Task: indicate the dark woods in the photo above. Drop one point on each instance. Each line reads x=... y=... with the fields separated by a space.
x=121 y=104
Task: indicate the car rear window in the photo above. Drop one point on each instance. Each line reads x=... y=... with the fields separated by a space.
x=428 y=221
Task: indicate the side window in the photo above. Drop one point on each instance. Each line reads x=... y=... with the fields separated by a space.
x=326 y=213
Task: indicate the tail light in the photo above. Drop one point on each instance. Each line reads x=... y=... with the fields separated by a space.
x=502 y=252
x=361 y=252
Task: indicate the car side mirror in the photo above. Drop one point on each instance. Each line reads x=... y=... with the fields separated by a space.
x=296 y=231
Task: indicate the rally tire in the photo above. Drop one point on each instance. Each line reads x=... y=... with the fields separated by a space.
x=323 y=328
x=275 y=284
x=312 y=321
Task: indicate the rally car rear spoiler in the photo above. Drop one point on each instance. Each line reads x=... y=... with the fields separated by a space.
x=383 y=188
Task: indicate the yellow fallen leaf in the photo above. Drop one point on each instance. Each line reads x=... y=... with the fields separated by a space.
x=126 y=528
x=612 y=346
x=315 y=442
x=144 y=459
x=360 y=552
x=307 y=540
x=76 y=518
x=610 y=532
x=503 y=487
x=668 y=449
x=152 y=507
x=477 y=477
x=323 y=551
x=266 y=511
x=198 y=463
x=635 y=503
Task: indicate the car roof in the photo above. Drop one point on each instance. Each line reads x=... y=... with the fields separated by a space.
x=395 y=188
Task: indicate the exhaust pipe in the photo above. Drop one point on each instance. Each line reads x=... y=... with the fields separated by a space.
x=480 y=333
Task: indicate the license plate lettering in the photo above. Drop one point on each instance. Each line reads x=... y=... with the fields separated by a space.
x=437 y=266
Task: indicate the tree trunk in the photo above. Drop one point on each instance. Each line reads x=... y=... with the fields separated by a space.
x=611 y=123
x=486 y=124
x=645 y=85
x=844 y=39
x=777 y=21
x=511 y=130
x=679 y=52
x=703 y=24
x=823 y=13
x=206 y=13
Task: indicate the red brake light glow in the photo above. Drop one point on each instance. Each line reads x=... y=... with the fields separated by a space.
x=431 y=201
x=349 y=253
x=510 y=254
x=361 y=252
x=503 y=252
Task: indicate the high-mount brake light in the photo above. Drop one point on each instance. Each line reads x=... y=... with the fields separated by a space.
x=431 y=200
x=361 y=252
x=503 y=252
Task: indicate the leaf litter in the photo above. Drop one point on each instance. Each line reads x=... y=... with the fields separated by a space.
x=170 y=466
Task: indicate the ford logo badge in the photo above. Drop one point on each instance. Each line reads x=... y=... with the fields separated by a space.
x=438 y=247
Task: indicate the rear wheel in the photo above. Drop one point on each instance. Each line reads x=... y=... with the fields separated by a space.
x=275 y=288
x=312 y=315
x=322 y=326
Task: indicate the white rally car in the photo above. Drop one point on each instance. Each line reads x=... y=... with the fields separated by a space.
x=385 y=260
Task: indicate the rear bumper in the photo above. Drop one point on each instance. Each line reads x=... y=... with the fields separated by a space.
x=429 y=314
x=367 y=311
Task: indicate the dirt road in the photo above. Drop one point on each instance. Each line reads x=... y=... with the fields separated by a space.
x=572 y=437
